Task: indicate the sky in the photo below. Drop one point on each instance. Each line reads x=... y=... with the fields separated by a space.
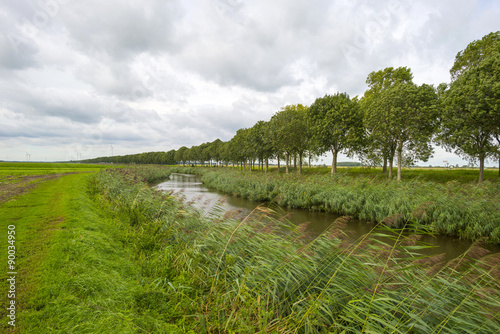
x=84 y=79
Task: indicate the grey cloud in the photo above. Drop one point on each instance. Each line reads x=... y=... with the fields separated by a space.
x=37 y=102
x=123 y=29
x=17 y=46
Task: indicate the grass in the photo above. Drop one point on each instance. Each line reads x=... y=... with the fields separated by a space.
x=19 y=178
x=106 y=253
x=76 y=271
x=43 y=168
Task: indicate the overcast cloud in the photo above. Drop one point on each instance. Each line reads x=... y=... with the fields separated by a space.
x=77 y=77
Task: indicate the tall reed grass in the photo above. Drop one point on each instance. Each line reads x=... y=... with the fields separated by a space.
x=261 y=274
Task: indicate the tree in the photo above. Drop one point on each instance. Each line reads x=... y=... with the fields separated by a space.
x=378 y=82
x=216 y=150
x=471 y=105
x=259 y=144
x=406 y=116
x=239 y=148
x=268 y=142
x=337 y=125
x=180 y=155
x=292 y=133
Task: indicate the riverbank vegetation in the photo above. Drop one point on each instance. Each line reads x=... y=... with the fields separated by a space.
x=395 y=121
x=119 y=256
x=449 y=208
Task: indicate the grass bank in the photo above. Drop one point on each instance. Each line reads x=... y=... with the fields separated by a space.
x=76 y=262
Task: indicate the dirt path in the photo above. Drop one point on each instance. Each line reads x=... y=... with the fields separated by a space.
x=13 y=186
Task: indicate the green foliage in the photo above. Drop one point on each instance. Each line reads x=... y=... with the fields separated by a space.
x=474 y=54
x=381 y=80
x=377 y=147
x=400 y=117
x=471 y=107
x=337 y=125
x=129 y=259
x=158 y=158
x=292 y=133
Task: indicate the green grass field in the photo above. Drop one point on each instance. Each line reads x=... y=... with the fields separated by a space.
x=41 y=168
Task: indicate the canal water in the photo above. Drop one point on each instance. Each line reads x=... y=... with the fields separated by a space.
x=191 y=190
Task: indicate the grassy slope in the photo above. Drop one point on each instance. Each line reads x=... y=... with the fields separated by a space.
x=76 y=273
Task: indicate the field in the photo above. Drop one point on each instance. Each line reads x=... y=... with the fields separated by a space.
x=103 y=252
x=19 y=178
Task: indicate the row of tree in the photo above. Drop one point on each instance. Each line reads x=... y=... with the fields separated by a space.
x=395 y=119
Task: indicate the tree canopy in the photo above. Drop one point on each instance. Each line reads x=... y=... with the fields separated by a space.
x=337 y=125
x=471 y=105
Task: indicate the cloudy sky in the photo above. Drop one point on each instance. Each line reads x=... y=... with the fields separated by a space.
x=82 y=79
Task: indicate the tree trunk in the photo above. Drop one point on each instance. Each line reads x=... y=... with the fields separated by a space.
x=267 y=165
x=309 y=161
x=287 y=162
x=390 y=168
x=498 y=167
x=481 y=169
x=334 y=161
x=300 y=163
x=384 y=167
x=278 y=163
x=294 y=162
x=400 y=155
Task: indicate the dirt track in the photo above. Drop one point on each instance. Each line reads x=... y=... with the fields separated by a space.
x=23 y=185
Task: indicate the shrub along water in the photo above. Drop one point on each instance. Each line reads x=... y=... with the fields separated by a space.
x=260 y=274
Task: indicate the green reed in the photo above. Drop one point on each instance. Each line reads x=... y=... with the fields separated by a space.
x=219 y=275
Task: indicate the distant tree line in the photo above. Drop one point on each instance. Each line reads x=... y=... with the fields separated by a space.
x=395 y=122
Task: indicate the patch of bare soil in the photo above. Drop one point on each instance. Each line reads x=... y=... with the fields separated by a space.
x=23 y=185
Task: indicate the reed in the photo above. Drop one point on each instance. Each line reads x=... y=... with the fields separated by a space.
x=261 y=274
